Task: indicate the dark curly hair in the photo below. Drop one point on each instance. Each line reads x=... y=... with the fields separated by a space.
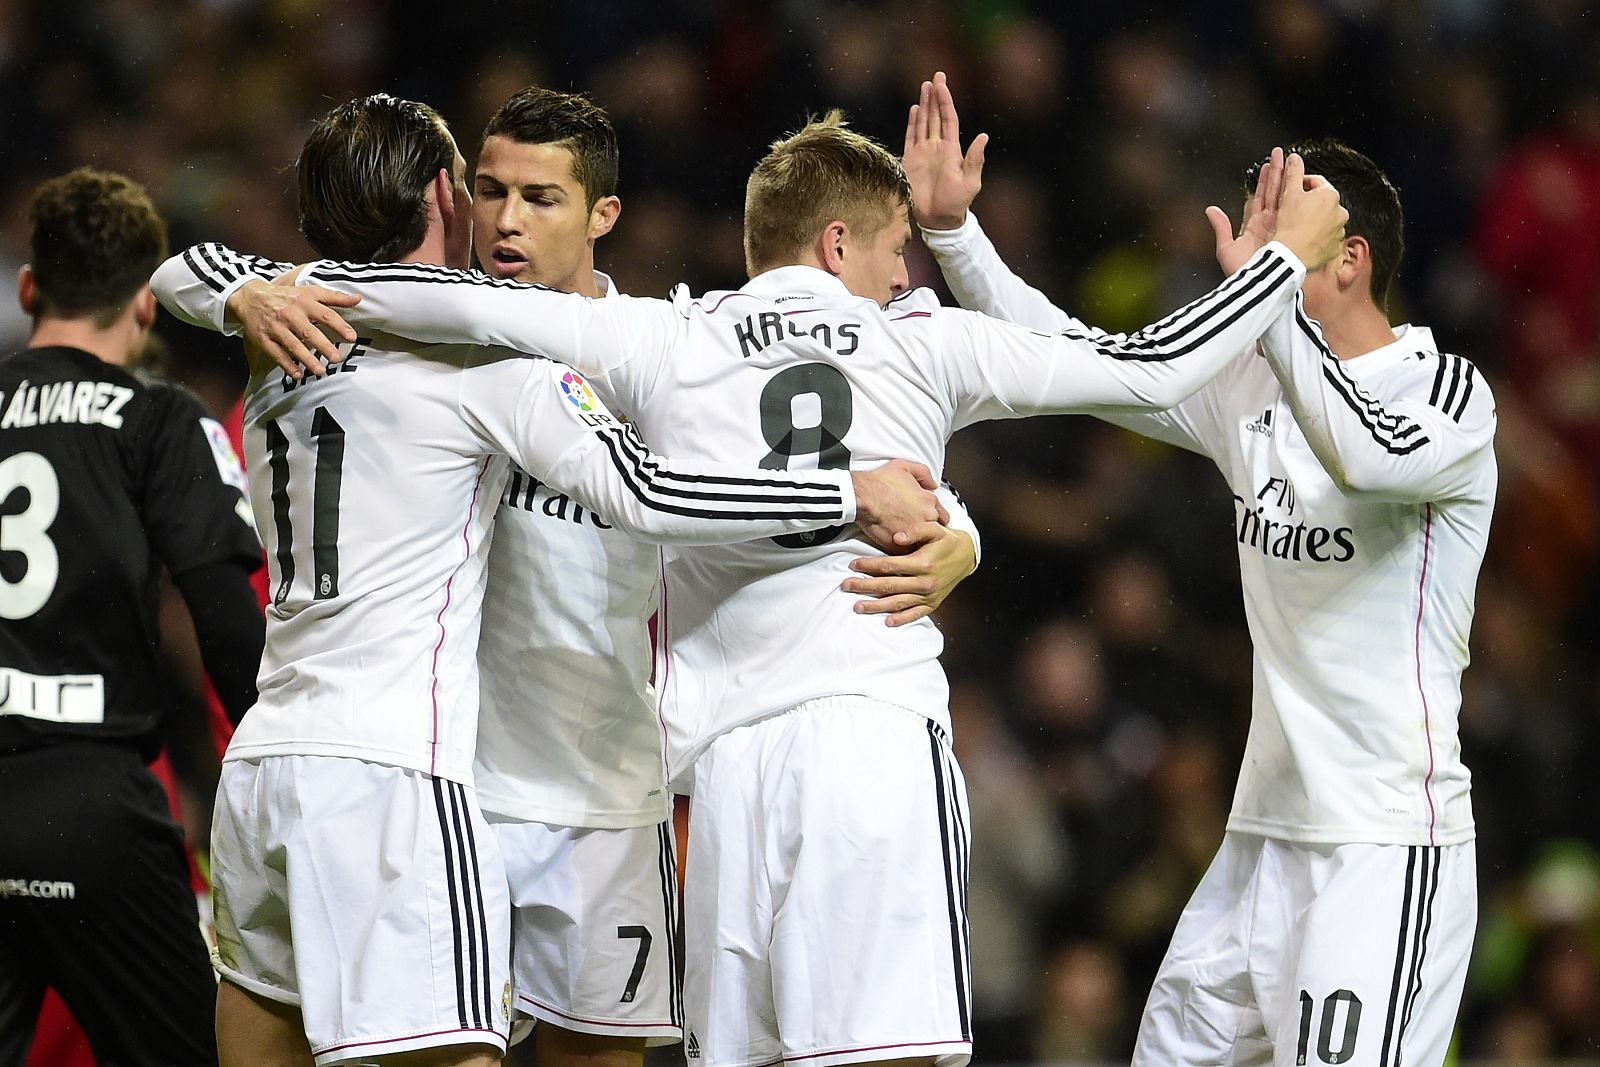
x=363 y=175
x=96 y=240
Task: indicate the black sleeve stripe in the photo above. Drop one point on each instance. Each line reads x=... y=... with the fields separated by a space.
x=1159 y=342
x=1466 y=393
x=632 y=477
x=1387 y=430
x=636 y=446
x=647 y=473
x=418 y=272
x=1455 y=383
x=208 y=252
x=1439 y=381
x=1395 y=424
x=201 y=272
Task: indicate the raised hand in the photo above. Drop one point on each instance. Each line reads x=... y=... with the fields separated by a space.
x=291 y=325
x=895 y=502
x=1260 y=222
x=1310 y=218
x=943 y=180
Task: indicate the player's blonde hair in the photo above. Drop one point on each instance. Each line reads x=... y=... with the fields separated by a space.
x=822 y=172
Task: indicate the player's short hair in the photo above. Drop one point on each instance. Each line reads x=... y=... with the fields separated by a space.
x=1372 y=200
x=96 y=240
x=824 y=171
x=363 y=176
x=536 y=115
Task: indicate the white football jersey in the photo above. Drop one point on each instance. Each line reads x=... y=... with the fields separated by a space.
x=1358 y=595
x=375 y=489
x=793 y=371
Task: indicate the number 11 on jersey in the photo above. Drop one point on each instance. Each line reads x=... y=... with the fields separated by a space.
x=329 y=436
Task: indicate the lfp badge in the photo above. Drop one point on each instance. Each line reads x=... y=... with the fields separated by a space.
x=577 y=392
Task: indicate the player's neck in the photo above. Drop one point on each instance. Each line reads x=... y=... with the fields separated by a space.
x=1357 y=329
x=116 y=344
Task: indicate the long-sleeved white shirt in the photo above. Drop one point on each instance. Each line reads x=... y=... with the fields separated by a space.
x=1363 y=491
x=793 y=371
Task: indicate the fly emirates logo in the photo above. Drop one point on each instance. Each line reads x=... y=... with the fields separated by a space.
x=1268 y=525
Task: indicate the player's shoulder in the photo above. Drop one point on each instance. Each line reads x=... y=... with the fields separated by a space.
x=1449 y=382
x=918 y=303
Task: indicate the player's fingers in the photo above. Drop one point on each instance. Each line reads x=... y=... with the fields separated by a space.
x=949 y=121
x=975 y=153
x=331 y=297
x=913 y=137
x=328 y=319
x=900 y=618
x=324 y=347
x=882 y=566
x=886 y=605
x=290 y=338
x=888 y=587
x=1294 y=172
x=925 y=111
x=1220 y=226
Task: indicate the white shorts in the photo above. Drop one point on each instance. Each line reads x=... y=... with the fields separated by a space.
x=369 y=896
x=825 y=892
x=593 y=922
x=1294 y=954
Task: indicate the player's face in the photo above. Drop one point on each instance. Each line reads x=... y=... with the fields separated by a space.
x=877 y=270
x=533 y=221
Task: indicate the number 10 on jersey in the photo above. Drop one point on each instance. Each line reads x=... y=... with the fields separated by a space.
x=329 y=438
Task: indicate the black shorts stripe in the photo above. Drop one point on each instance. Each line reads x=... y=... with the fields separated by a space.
x=1421 y=956
x=482 y=911
x=957 y=922
x=455 y=906
x=668 y=866
x=469 y=917
x=1399 y=959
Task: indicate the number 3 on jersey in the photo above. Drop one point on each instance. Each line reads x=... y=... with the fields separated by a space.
x=329 y=436
x=806 y=410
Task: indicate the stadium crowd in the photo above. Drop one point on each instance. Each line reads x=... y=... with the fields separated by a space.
x=1099 y=660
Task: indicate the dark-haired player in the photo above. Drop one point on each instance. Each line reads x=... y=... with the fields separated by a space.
x=105 y=477
x=1335 y=924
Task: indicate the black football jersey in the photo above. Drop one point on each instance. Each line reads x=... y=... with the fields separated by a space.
x=105 y=476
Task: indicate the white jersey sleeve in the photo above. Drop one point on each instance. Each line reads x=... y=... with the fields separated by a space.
x=557 y=429
x=998 y=370
x=981 y=281
x=620 y=342
x=1421 y=446
x=196 y=283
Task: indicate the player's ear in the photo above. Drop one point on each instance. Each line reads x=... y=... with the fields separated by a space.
x=144 y=308
x=603 y=216
x=831 y=246
x=27 y=289
x=442 y=189
x=1354 y=262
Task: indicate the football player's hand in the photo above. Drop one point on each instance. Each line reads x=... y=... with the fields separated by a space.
x=292 y=326
x=1310 y=218
x=895 y=502
x=908 y=587
x=944 y=182
x=1260 y=222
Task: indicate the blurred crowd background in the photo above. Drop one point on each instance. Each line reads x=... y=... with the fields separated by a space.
x=1099 y=658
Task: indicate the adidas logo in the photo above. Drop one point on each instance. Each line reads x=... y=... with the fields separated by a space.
x=1263 y=425
x=692 y=1049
